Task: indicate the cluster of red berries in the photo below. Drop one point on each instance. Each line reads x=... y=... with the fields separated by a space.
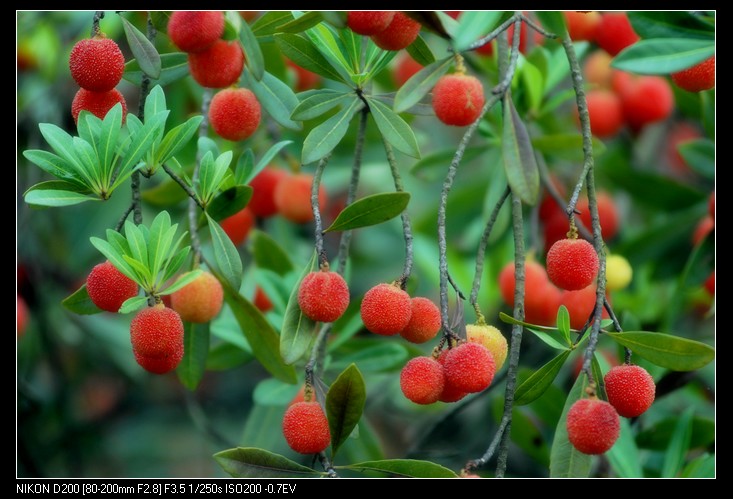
x=97 y=65
x=389 y=30
x=593 y=425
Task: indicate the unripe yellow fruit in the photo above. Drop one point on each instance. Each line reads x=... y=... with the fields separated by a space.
x=491 y=338
x=618 y=272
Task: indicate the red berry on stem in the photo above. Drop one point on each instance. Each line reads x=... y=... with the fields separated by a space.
x=323 y=296
x=424 y=322
x=238 y=226
x=218 y=66
x=263 y=186
x=630 y=390
x=697 y=78
x=572 y=264
x=369 y=22
x=400 y=33
x=195 y=31
x=458 y=99
x=422 y=380
x=234 y=113
x=305 y=428
x=386 y=309
x=469 y=367
x=200 y=300
x=97 y=64
x=615 y=32
x=108 y=288
x=156 y=332
x=593 y=426
x=97 y=103
x=605 y=112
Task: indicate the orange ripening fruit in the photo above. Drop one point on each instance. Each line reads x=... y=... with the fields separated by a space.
x=469 y=367
x=607 y=214
x=386 y=309
x=293 y=197
x=697 y=78
x=605 y=112
x=646 y=100
x=400 y=33
x=97 y=64
x=262 y=202
x=323 y=296
x=580 y=305
x=582 y=25
x=200 y=300
x=195 y=31
x=369 y=22
x=422 y=380
x=630 y=390
x=108 y=288
x=593 y=426
x=458 y=99
x=491 y=338
x=572 y=264
x=615 y=32
x=305 y=428
x=597 y=69
x=156 y=332
x=234 y=113
x=424 y=321
x=238 y=226
x=97 y=103
x=219 y=66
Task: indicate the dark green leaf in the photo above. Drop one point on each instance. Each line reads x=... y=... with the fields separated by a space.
x=195 y=350
x=430 y=20
x=420 y=51
x=344 y=404
x=275 y=96
x=319 y=103
x=540 y=380
x=269 y=22
x=520 y=165
x=663 y=56
x=670 y=24
x=268 y=254
x=474 y=26
x=334 y=18
x=255 y=61
x=674 y=458
x=229 y=202
x=302 y=23
x=298 y=331
x=144 y=51
x=658 y=436
x=700 y=156
x=249 y=462
x=225 y=254
x=225 y=356
x=326 y=136
x=394 y=129
x=164 y=194
x=371 y=210
x=624 y=455
x=568 y=146
x=552 y=21
x=305 y=54
x=565 y=460
x=664 y=350
x=420 y=84
x=174 y=66
x=80 y=303
x=404 y=468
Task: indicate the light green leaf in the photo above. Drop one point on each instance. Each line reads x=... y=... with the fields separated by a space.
x=304 y=53
x=195 y=350
x=177 y=138
x=344 y=405
x=676 y=453
x=319 y=103
x=249 y=462
x=301 y=23
x=298 y=331
x=393 y=128
x=225 y=254
x=420 y=84
x=265 y=159
x=664 y=55
x=563 y=323
x=144 y=51
x=53 y=197
x=538 y=383
x=624 y=455
x=254 y=59
x=133 y=304
x=269 y=22
x=371 y=210
x=520 y=164
x=80 y=303
x=664 y=350
x=183 y=281
x=107 y=144
x=567 y=146
x=55 y=165
x=275 y=96
x=326 y=136
x=474 y=26
x=155 y=101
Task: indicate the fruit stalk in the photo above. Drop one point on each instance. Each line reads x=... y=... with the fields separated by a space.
x=406 y=225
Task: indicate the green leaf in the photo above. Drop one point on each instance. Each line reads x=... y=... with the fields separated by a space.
x=435 y=162
x=664 y=350
x=181 y=282
x=174 y=66
x=255 y=61
x=250 y=462
x=269 y=22
x=265 y=159
x=107 y=143
x=245 y=168
x=393 y=128
x=319 y=103
x=275 y=96
x=540 y=380
x=176 y=139
x=404 y=468
x=674 y=458
x=568 y=146
x=40 y=196
x=565 y=460
x=420 y=84
x=371 y=210
x=229 y=202
x=700 y=156
x=326 y=136
x=547 y=334
x=195 y=350
x=272 y=391
x=144 y=51
x=133 y=304
x=657 y=437
x=563 y=324
x=212 y=175
x=63 y=144
x=344 y=405
x=80 y=303
x=552 y=21
x=420 y=51
x=225 y=254
x=155 y=101
x=225 y=356
x=624 y=455
x=663 y=56
x=474 y=26
x=520 y=164
x=301 y=23
x=140 y=144
x=700 y=467
x=671 y=24
x=54 y=165
x=380 y=357
x=175 y=263
x=298 y=331
x=269 y=255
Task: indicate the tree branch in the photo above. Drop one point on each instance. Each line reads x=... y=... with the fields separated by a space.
x=318 y=231
x=183 y=185
x=495 y=33
x=406 y=225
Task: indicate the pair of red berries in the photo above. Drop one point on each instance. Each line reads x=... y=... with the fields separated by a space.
x=389 y=30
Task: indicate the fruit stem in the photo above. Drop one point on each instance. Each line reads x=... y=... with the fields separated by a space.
x=460 y=66
x=98 y=16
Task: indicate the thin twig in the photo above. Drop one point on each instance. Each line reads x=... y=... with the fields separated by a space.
x=318 y=230
x=406 y=225
x=98 y=16
x=495 y=33
x=327 y=466
x=121 y=223
x=183 y=185
x=539 y=29
x=478 y=463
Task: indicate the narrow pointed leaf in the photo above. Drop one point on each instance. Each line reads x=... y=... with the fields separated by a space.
x=225 y=254
x=54 y=197
x=298 y=331
x=80 y=303
x=394 y=129
x=326 y=136
x=664 y=55
x=320 y=103
x=473 y=26
x=404 y=468
x=371 y=210
x=344 y=405
x=275 y=96
x=174 y=66
x=181 y=282
x=255 y=61
x=624 y=455
x=249 y=462
x=665 y=350
x=420 y=84
x=144 y=51
x=269 y=255
x=195 y=350
x=563 y=323
x=107 y=145
x=229 y=202
x=420 y=51
x=133 y=304
x=676 y=453
x=155 y=101
x=265 y=159
x=177 y=138
x=520 y=164
x=54 y=165
x=538 y=383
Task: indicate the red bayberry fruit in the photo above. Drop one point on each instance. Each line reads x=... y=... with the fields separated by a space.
x=323 y=296
x=306 y=428
x=109 y=288
x=234 y=113
x=593 y=426
x=697 y=78
x=597 y=69
x=263 y=186
x=572 y=264
x=606 y=113
x=422 y=380
x=293 y=198
x=710 y=283
x=646 y=100
x=400 y=33
x=582 y=25
x=195 y=31
x=369 y=22
x=304 y=79
x=405 y=68
x=262 y=301
x=580 y=305
x=458 y=99
x=607 y=214
x=386 y=309
x=200 y=300
x=679 y=134
x=163 y=364
x=491 y=338
x=540 y=296
x=615 y=32
x=97 y=64
x=156 y=332
x=237 y=226
x=424 y=321
x=450 y=393
x=469 y=367
x=218 y=66
x=630 y=390
x=22 y=317
x=97 y=103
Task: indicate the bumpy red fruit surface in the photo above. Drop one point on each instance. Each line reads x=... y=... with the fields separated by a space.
x=109 y=288
x=593 y=426
x=646 y=100
x=450 y=393
x=195 y=31
x=582 y=25
x=424 y=321
x=535 y=278
x=237 y=226
x=458 y=99
x=697 y=78
x=97 y=103
x=369 y=22
x=400 y=33
x=161 y=365
x=306 y=428
x=97 y=64
x=606 y=113
x=386 y=309
x=293 y=198
x=234 y=113
x=263 y=186
x=323 y=296
x=469 y=367
x=615 y=32
x=22 y=317
x=218 y=66
x=572 y=264
x=156 y=332
x=491 y=338
x=200 y=300
x=630 y=390
x=607 y=214
x=422 y=380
